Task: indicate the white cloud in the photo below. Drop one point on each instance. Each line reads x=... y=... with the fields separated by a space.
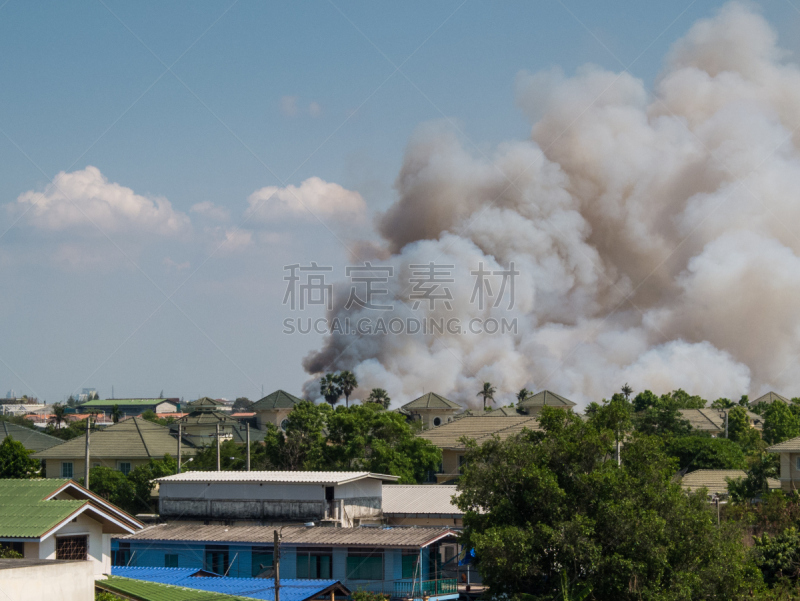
x=289 y=105
x=85 y=199
x=313 y=197
x=210 y=210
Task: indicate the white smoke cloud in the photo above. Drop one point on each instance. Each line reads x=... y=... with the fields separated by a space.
x=653 y=231
x=86 y=199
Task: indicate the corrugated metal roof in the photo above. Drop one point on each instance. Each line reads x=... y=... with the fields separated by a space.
x=295 y=535
x=280 y=399
x=30 y=438
x=546 y=398
x=292 y=589
x=478 y=428
x=155 y=591
x=134 y=438
x=399 y=499
x=279 y=477
x=431 y=400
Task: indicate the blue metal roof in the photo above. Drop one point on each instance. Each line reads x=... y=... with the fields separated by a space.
x=257 y=588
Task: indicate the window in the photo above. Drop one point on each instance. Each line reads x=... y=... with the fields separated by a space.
x=66 y=469
x=72 y=547
x=16 y=547
x=314 y=563
x=365 y=564
x=461 y=464
x=121 y=557
x=125 y=467
x=96 y=464
x=437 y=421
x=170 y=560
x=797 y=460
x=217 y=559
x=410 y=563
x=261 y=561
x=284 y=424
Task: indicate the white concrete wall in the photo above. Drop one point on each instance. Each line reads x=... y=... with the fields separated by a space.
x=67 y=581
x=272 y=416
x=99 y=543
x=369 y=487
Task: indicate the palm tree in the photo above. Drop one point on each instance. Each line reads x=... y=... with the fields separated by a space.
x=487 y=393
x=59 y=414
x=523 y=394
x=380 y=396
x=627 y=391
x=348 y=383
x=115 y=414
x=330 y=389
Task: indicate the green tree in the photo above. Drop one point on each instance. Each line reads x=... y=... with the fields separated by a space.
x=755 y=484
x=487 y=392
x=660 y=415
x=142 y=479
x=523 y=394
x=16 y=460
x=58 y=414
x=683 y=400
x=380 y=396
x=741 y=432
x=778 y=556
x=241 y=404
x=115 y=414
x=114 y=487
x=705 y=453
x=348 y=383
x=302 y=444
x=780 y=423
x=644 y=400
x=71 y=402
x=626 y=391
x=330 y=389
x=543 y=503
x=722 y=403
x=614 y=415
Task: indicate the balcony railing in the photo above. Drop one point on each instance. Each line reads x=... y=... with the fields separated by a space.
x=426 y=588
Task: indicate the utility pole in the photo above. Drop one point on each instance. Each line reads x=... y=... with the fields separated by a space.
x=179 y=448
x=247 y=447
x=276 y=553
x=619 y=457
x=86 y=469
x=218 y=463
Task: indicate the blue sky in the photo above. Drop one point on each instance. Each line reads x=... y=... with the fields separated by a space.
x=207 y=102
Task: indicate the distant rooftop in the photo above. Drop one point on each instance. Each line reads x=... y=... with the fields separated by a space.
x=125 y=402
x=770 y=398
x=280 y=399
x=30 y=438
x=545 y=398
x=478 y=428
x=715 y=480
x=431 y=400
x=277 y=477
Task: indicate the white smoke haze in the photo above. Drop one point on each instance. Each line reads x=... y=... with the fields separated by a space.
x=654 y=232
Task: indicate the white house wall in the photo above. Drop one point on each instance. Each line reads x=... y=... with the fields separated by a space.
x=99 y=544
x=71 y=581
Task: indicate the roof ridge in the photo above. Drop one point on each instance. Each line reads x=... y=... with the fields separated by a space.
x=139 y=430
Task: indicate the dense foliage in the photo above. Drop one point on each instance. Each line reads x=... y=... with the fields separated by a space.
x=16 y=460
x=132 y=492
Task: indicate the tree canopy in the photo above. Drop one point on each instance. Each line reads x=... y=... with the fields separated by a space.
x=16 y=460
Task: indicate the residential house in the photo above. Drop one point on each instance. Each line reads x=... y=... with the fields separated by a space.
x=421 y=505
x=789 y=451
x=58 y=519
x=388 y=560
x=37 y=579
x=713 y=420
x=129 y=407
x=274 y=408
x=448 y=437
x=532 y=405
x=716 y=481
x=200 y=425
x=122 y=446
x=770 y=398
x=432 y=410
x=336 y=498
x=208 y=404
x=30 y=438
x=293 y=589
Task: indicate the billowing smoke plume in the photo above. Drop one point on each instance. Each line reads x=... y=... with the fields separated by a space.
x=656 y=234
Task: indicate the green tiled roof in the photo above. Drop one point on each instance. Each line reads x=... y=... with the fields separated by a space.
x=545 y=397
x=24 y=512
x=431 y=400
x=153 y=591
x=134 y=438
x=123 y=403
x=279 y=399
x=204 y=402
x=31 y=439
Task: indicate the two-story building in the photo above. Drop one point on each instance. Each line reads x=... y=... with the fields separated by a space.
x=789 y=452
x=274 y=409
x=432 y=410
